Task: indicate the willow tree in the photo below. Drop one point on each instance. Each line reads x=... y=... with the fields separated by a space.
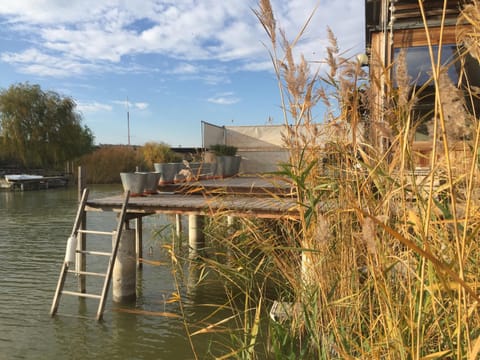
x=41 y=128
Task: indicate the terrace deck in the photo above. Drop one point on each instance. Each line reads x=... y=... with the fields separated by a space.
x=241 y=196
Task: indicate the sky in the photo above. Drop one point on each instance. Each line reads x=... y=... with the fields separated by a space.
x=170 y=64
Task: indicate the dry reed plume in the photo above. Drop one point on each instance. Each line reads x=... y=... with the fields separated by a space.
x=383 y=260
x=388 y=269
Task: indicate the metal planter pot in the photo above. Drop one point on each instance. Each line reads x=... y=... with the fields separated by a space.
x=151 y=182
x=133 y=182
x=227 y=166
x=167 y=171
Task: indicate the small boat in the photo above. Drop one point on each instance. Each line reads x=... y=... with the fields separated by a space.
x=33 y=182
x=22 y=177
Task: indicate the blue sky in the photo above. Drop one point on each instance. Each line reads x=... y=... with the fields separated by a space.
x=178 y=62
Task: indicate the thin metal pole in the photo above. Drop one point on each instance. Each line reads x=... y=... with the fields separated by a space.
x=128 y=121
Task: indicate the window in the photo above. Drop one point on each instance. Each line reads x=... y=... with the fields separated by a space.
x=464 y=73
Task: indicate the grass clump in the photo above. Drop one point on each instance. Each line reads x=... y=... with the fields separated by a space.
x=104 y=165
x=223 y=150
x=106 y=162
x=154 y=152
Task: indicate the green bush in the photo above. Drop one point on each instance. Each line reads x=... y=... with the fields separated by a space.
x=224 y=150
x=154 y=152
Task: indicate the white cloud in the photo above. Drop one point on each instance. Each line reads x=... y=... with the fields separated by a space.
x=266 y=65
x=185 y=68
x=227 y=98
x=141 y=105
x=35 y=62
x=128 y=104
x=75 y=37
x=211 y=75
x=93 y=107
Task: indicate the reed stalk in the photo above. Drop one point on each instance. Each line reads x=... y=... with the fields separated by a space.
x=382 y=262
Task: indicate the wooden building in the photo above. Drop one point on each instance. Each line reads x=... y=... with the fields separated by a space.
x=403 y=29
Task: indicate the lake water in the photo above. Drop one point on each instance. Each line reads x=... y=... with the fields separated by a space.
x=34 y=227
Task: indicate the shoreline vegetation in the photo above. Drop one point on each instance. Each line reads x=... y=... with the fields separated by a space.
x=104 y=163
x=383 y=262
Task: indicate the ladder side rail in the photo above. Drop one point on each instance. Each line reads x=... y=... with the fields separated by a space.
x=80 y=259
x=64 y=271
x=58 y=290
x=108 y=278
x=80 y=211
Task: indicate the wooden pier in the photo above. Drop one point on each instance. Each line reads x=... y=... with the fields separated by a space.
x=232 y=197
x=268 y=198
x=242 y=196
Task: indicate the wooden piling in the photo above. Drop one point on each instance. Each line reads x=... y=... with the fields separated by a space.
x=81 y=259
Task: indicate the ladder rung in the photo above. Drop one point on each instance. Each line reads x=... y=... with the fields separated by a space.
x=75 y=316
x=88 y=252
x=87 y=273
x=95 y=232
x=79 y=294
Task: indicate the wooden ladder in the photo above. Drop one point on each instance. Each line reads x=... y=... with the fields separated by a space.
x=112 y=256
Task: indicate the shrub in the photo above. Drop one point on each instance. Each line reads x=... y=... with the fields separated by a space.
x=224 y=150
x=104 y=165
x=154 y=152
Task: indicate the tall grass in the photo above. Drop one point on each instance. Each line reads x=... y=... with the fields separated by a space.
x=104 y=165
x=383 y=262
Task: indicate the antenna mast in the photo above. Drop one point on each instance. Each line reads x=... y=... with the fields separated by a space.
x=128 y=122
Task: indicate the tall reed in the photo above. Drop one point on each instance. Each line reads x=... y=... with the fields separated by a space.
x=382 y=262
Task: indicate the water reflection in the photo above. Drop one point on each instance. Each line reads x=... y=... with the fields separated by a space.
x=34 y=227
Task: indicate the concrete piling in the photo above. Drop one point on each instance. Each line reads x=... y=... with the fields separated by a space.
x=178 y=225
x=124 y=272
x=196 y=237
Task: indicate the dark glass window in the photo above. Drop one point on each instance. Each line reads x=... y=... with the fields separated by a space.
x=463 y=73
x=419 y=64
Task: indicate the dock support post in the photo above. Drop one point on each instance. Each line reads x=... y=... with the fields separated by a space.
x=178 y=225
x=139 y=241
x=194 y=274
x=196 y=237
x=124 y=277
x=81 y=259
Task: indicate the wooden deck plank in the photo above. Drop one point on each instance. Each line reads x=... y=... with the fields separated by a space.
x=240 y=196
x=199 y=204
x=248 y=185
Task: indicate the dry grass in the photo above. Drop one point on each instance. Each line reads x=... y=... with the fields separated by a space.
x=104 y=165
x=383 y=263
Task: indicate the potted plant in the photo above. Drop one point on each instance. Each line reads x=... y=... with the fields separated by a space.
x=133 y=182
x=228 y=163
x=165 y=161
